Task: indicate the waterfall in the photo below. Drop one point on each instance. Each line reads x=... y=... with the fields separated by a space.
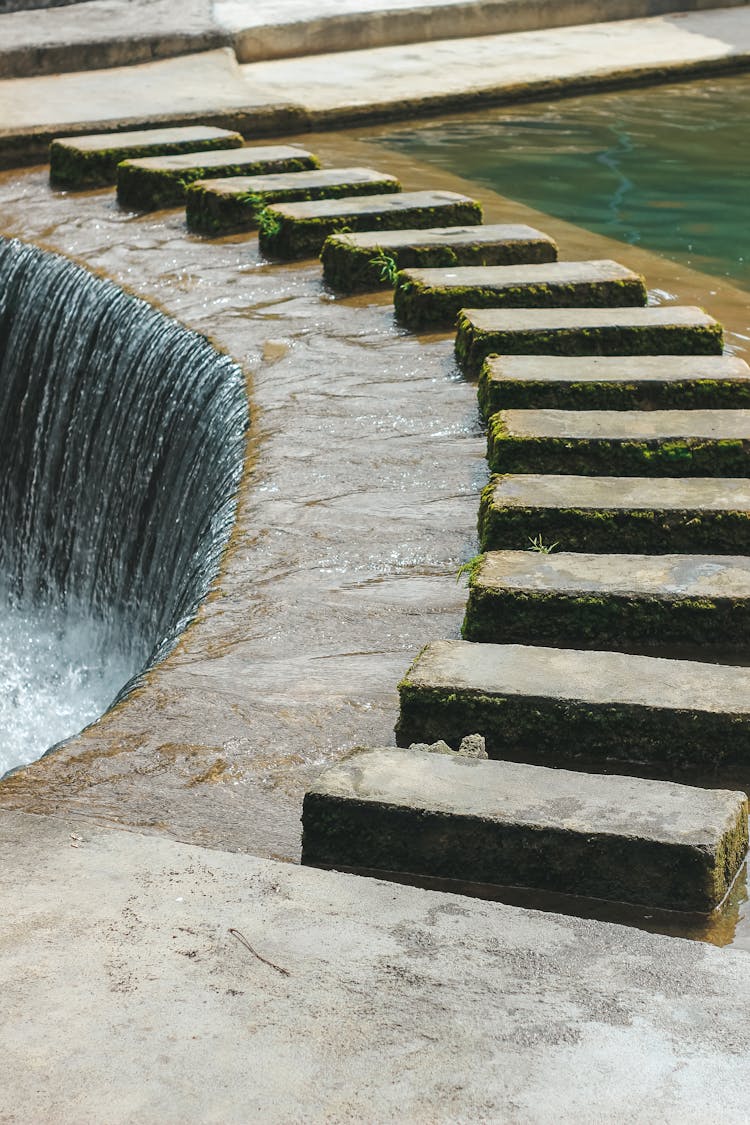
x=122 y=440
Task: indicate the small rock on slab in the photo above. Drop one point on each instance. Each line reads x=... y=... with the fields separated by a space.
x=649 y=842
x=559 y=705
x=662 y=443
x=432 y=298
x=639 y=515
x=601 y=601
x=298 y=230
x=613 y=382
x=673 y=329
x=217 y=206
x=368 y=260
x=161 y=181
x=85 y=162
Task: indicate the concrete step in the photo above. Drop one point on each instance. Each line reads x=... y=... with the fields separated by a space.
x=443 y=816
x=86 y=162
x=609 y=601
x=217 y=206
x=613 y=382
x=433 y=298
x=161 y=181
x=635 y=443
x=673 y=329
x=298 y=230
x=370 y=260
x=559 y=705
x=633 y=515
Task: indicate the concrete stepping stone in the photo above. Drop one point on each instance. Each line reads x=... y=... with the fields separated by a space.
x=599 y=601
x=433 y=298
x=645 y=443
x=558 y=705
x=298 y=230
x=216 y=206
x=85 y=162
x=633 y=515
x=613 y=382
x=370 y=259
x=161 y=181
x=622 y=838
x=673 y=329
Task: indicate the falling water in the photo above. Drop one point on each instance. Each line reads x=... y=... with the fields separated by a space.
x=121 y=449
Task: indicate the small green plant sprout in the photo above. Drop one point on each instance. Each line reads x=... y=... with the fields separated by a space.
x=468 y=568
x=268 y=223
x=541 y=548
x=387 y=266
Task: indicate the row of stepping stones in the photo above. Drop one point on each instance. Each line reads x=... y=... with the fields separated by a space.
x=577 y=378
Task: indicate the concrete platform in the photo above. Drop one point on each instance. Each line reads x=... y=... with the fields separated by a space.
x=161 y=181
x=613 y=382
x=672 y=329
x=298 y=230
x=563 y=705
x=355 y=262
x=636 y=443
x=610 y=601
x=649 y=842
x=638 y=515
x=216 y=206
x=432 y=298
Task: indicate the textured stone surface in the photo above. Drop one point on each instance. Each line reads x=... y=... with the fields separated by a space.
x=621 y=838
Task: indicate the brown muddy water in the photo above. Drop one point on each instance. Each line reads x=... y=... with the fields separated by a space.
x=359 y=504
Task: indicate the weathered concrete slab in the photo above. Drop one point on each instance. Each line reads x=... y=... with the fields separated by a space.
x=426 y=298
x=298 y=230
x=613 y=382
x=636 y=443
x=161 y=181
x=215 y=206
x=673 y=329
x=600 y=601
x=649 y=842
x=559 y=705
x=370 y=260
x=92 y=161
x=639 y=515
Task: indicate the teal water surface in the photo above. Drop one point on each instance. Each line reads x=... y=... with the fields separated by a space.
x=665 y=168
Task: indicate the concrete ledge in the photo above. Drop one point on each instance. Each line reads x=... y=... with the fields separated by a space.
x=620 y=838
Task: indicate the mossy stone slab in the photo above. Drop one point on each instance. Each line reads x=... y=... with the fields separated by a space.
x=636 y=443
x=598 y=601
x=217 y=206
x=613 y=382
x=560 y=705
x=161 y=181
x=357 y=262
x=673 y=329
x=298 y=230
x=432 y=298
x=86 y=162
x=622 y=838
x=638 y=515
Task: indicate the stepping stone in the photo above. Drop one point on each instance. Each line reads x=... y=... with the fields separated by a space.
x=442 y=816
x=370 y=259
x=78 y=162
x=645 y=443
x=676 y=330
x=600 y=601
x=434 y=297
x=216 y=206
x=161 y=181
x=613 y=382
x=633 y=515
x=298 y=230
x=559 y=705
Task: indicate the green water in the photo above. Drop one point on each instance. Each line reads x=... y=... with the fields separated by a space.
x=665 y=168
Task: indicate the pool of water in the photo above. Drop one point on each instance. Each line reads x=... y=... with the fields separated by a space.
x=665 y=168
